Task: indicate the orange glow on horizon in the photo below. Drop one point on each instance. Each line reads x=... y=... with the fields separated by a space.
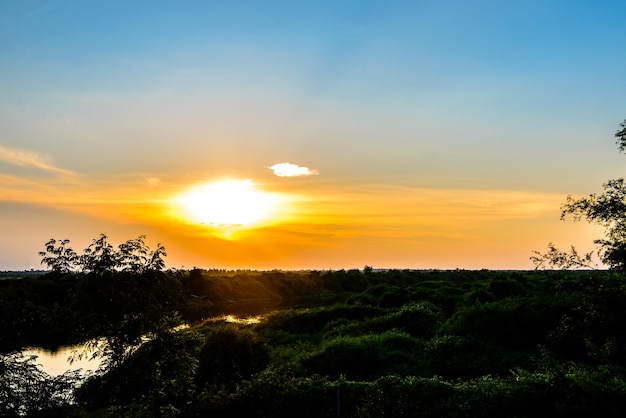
x=296 y=223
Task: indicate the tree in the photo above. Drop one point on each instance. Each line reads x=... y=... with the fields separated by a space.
x=122 y=295
x=155 y=261
x=607 y=209
x=563 y=260
x=58 y=256
x=100 y=257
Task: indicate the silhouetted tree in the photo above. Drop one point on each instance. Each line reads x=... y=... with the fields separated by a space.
x=607 y=209
x=100 y=257
x=59 y=257
x=562 y=260
x=121 y=295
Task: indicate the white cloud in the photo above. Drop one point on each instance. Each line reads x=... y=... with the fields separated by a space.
x=23 y=158
x=292 y=170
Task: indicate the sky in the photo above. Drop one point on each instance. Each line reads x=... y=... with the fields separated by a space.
x=308 y=134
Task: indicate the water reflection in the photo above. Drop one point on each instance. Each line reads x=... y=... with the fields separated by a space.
x=233 y=319
x=56 y=362
x=258 y=308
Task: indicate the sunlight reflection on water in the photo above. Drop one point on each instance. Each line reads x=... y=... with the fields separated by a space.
x=233 y=319
x=57 y=362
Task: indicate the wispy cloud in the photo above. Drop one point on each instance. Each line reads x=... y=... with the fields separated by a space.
x=292 y=170
x=152 y=181
x=24 y=158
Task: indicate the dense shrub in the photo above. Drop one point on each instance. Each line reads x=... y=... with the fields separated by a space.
x=160 y=374
x=309 y=322
x=384 y=295
x=519 y=323
x=505 y=288
x=365 y=357
x=230 y=354
x=454 y=357
x=420 y=320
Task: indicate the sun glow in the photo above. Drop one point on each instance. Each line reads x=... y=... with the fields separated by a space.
x=227 y=203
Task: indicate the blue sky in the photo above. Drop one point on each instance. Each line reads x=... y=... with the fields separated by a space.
x=447 y=95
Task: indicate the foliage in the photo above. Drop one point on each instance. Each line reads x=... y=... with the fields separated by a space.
x=26 y=390
x=159 y=376
x=466 y=357
x=119 y=311
x=607 y=209
x=593 y=328
x=58 y=256
x=101 y=257
x=364 y=357
x=33 y=312
x=621 y=137
x=562 y=260
x=230 y=354
x=445 y=343
x=314 y=320
x=120 y=297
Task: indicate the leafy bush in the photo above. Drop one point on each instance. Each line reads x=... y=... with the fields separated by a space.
x=519 y=323
x=310 y=322
x=230 y=354
x=365 y=357
x=455 y=357
x=505 y=288
x=159 y=374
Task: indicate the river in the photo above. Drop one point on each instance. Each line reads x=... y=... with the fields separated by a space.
x=56 y=362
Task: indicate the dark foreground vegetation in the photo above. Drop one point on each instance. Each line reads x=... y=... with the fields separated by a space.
x=368 y=344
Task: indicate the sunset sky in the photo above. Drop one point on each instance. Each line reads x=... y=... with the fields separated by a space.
x=308 y=134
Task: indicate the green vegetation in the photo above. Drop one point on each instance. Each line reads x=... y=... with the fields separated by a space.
x=387 y=343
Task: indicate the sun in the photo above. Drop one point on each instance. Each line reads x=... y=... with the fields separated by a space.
x=227 y=204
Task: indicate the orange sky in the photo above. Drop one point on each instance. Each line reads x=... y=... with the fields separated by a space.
x=313 y=224
x=421 y=135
